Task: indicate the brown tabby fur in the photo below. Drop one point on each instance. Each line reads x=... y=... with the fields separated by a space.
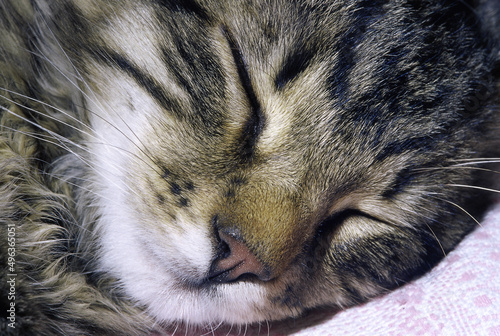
x=328 y=136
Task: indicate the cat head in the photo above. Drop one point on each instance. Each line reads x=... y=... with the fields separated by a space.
x=246 y=162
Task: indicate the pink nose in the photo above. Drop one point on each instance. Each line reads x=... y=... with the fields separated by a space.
x=235 y=260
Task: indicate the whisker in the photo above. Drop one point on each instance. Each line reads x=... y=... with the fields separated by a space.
x=410 y=214
x=477 y=162
x=36 y=136
x=60 y=144
x=55 y=135
x=101 y=107
x=473 y=187
x=212 y=329
x=488 y=159
x=457 y=167
x=63 y=143
x=176 y=328
x=459 y=207
x=430 y=229
x=437 y=239
x=230 y=329
x=47 y=115
x=52 y=133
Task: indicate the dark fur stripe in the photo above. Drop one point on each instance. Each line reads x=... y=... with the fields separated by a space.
x=365 y=12
x=396 y=147
x=148 y=83
x=294 y=65
x=255 y=122
x=186 y=6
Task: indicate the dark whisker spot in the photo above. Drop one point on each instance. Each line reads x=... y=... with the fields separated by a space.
x=189 y=185
x=160 y=198
x=165 y=173
x=183 y=202
x=175 y=188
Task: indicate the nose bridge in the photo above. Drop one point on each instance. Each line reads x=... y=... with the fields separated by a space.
x=269 y=221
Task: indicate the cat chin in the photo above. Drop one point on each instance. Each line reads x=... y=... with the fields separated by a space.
x=232 y=304
x=164 y=275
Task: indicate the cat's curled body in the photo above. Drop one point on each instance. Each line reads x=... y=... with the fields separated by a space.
x=233 y=161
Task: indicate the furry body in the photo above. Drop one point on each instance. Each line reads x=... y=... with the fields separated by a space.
x=142 y=141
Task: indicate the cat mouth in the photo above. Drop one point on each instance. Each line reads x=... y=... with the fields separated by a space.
x=227 y=276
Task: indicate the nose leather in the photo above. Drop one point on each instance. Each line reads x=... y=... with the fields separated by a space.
x=235 y=261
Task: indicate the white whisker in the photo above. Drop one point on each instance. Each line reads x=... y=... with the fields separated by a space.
x=457 y=167
x=48 y=115
x=57 y=136
x=102 y=109
x=477 y=162
x=64 y=144
x=459 y=207
x=473 y=187
x=486 y=159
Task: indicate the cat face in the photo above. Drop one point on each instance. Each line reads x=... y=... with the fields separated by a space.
x=272 y=156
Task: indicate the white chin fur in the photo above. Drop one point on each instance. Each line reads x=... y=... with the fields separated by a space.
x=148 y=279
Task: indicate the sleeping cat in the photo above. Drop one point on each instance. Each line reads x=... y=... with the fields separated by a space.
x=206 y=162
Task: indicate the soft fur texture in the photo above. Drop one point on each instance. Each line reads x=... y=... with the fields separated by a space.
x=207 y=162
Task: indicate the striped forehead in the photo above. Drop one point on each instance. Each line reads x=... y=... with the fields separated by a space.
x=299 y=85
